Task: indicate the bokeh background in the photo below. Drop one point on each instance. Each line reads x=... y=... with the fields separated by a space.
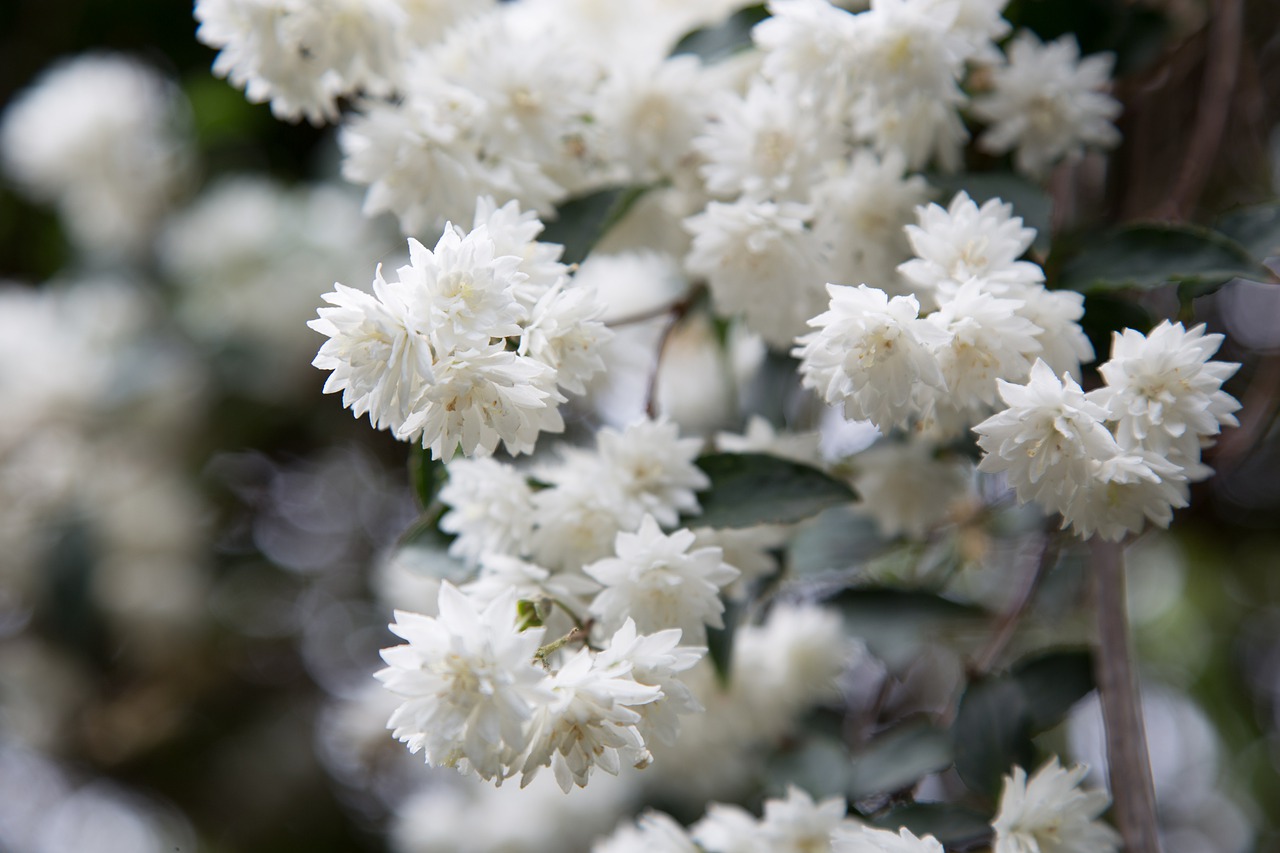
x=194 y=541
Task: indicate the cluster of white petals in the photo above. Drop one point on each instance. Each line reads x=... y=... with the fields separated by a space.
x=430 y=355
x=101 y=137
x=1122 y=454
x=480 y=691
x=1049 y=813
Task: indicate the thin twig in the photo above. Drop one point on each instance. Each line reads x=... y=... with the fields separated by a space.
x=1008 y=624
x=1226 y=30
x=678 y=312
x=1127 y=758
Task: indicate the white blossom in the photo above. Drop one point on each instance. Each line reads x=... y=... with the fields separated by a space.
x=468 y=680
x=490 y=509
x=761 y=262
x=657 y=659
x=652 y=114
x=1163 y=392
x=869 y=353
x=654 y=468
x=563 y=595
x=965 y=241
x=1049 y=440
x=868 y=840
x=566 y=333
x=1063 y=344
x=652 y=832
x=907 y=487
x=1123 y=492
x=657 y=581
x=1047 y=103
x=1049 y=813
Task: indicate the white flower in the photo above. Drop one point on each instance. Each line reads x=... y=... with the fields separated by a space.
x=907 y=488
x=1063 y=344
x=654 y=468
x=99 y=136
x=869 y=353
x=379 y=357
x=590 y=721
x=490 y=509
x=1049 y=439
x=481 y=397
x=860 y=208
x=1050 y=814
x=1163 y=392
x=1047 y=103
x=656 y=660
x=797 y=824
x=566 y=333
x=1124 y=492
x=987 y=340
x=652 y=114
x=868 y=840
x=765 y=145
x=729 y=829
x=469 y=683
x=760 y=262
x=302 y=55
x=560 y=592
x=515 y=232
x=813 y=43
x=965 y=241
x=658 y=582
x=653 y=832
x=579 y=516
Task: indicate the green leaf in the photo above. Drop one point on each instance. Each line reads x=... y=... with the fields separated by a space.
x=1147 y=256
x=1052 y=683
x=839 y=539
x=1106 y=313
x=896 y=624
x=581 y=221
x=754 y=488
x=720 y=641
x=711 y=44
x=1256 y=228
x=1029 y=200
x=954 y=826
x=992 y=733
x=426 y=475
x=898 y=759
x=818 y=765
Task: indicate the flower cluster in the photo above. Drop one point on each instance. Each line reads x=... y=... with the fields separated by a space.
x=481 y=693
x=991 y=319
x=1110 y=459
x=471 y=344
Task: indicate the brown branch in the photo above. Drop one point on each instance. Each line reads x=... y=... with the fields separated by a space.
x=1008 y=624
x=1127 y=758
x=1226 y=30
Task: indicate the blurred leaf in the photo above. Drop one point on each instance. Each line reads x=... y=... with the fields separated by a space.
x=1137 y=34
x=899 y=759
x=992 y=733
x=581 y=221
x=1105 y=313
x=896 y=624
x=711 y=44
x=220 y=110
x=818 y=766
x=1146 y=256
x=720 y=640
x=1029 y=200
x=754 y=488
x=426 y=475
x=1052 y=683
x=954 y=826
x=837 y=540
x=1256 y=228
x=424 y=548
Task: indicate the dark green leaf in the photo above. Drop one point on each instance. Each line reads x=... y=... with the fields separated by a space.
x=818 y=766
x=1052 y=683
x=898 y=759
x=426 y=474
x=992 y=733
x=1146 y=256
x=753 y=488
x=897 y=624
x=954 y=826
x=711 y=44
x=1029 y=200
x=1256 y=228
x=581 y=221
x=1105 y=313
x=839 y=539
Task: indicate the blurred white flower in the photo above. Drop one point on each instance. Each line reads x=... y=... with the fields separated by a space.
x=868 y=840
x=1049 y=813
x=652 y=832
